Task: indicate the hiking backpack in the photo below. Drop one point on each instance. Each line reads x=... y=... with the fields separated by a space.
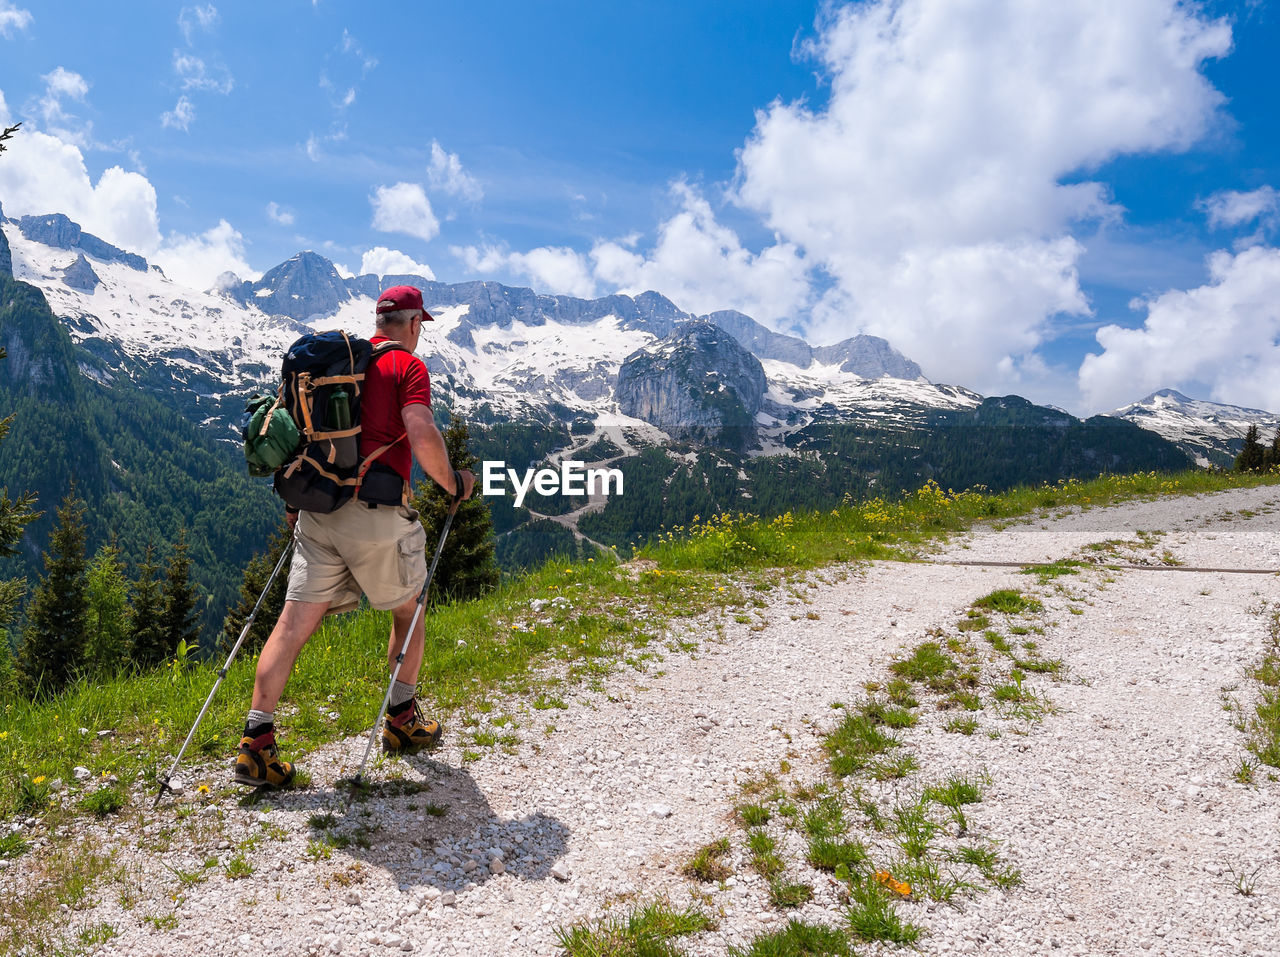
x=322 y=377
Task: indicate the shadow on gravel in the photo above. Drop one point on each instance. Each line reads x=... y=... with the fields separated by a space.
x=425 y=828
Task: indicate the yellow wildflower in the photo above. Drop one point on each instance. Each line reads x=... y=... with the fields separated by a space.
x=38 y=779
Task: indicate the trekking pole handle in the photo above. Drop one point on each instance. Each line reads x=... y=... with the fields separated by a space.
x=457 y=492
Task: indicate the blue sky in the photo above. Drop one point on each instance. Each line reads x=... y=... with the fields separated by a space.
x=1076 y=202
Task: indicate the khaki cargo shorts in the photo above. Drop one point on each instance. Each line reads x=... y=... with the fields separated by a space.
x=378 y=551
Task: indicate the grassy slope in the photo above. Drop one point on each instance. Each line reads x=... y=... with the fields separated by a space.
x=497 y=644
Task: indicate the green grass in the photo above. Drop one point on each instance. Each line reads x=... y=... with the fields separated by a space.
x=798 y=939
x=871 y=915
x=104 y=801
x=855 y=743
x=824 y=820
x=786 y=894
x=955 y=791
x=754 y=815
x=646 y=932
x=763 y=855
x=927 y=664
x=1009 y=601
x=826 y=854
x=707 y=864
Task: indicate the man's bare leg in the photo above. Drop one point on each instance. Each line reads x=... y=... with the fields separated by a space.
x=400 y=618
x=297 y=623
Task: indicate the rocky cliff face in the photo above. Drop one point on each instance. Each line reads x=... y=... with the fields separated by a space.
x=698 y=385
x=870 y=357
x=58 y=231
x=80 y=275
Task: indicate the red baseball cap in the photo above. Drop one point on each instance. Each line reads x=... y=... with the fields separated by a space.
x=403 y=297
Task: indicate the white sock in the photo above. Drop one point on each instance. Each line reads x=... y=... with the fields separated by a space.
x=401 y=692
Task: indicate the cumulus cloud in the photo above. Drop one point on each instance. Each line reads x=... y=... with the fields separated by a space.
x=180 y=116
x=697 y=262
x=49 y=175
x=447 y=175
x=930 y=188
x=13 y=18
x=404 y=208
x=382 y=261
x=1224 y=334
x=702 y=265
x=199 y=260
x=278 y=214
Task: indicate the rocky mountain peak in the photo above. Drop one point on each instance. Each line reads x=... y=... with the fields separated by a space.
x=306 y=285
x=698 y=385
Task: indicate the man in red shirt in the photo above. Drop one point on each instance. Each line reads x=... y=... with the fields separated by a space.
x=374 y=544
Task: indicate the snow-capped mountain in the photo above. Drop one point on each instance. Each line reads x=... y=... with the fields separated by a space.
x=495 y=351
x=1211 y=432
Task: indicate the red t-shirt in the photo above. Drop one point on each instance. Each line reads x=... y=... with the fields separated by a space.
x=392 y=381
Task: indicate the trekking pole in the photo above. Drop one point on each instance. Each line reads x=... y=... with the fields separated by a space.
x=222 y=672
x=422 y=598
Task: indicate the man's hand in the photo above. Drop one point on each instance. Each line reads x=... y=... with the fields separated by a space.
x=291 y=516
x=468 y=483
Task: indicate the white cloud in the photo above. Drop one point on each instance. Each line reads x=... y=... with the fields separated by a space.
x=13 y=18
x=62 y=85
x=703 y=267
x=1230 y=208
x=180 y=116
x=446 y=174
x=382 y=261
x=352 y=46
x=195 y=74
x=555 y=270
x=929 y=187
x=203 y=17
x=404 y=208
x=278 y=214
x=1225 y=334
x=198 y=261
x=48 y=175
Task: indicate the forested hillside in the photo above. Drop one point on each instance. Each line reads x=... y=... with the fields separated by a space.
x=143 y=470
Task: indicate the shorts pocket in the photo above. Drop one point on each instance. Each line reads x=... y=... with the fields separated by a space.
x=412 y=557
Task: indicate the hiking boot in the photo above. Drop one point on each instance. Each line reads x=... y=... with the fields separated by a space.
x=258 y=763
x=408 y=731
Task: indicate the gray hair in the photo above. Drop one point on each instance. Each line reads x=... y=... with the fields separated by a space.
x=395 y=317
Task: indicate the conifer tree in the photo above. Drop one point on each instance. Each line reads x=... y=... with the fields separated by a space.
x=1272 y=457
x=53 y=644
x=107 y=626
x=1251 y=455
x=467 y=567
x=256 y=574
x=147 y=636
x=179 y=620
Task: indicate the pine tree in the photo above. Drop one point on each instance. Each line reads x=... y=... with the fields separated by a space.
x=1271 y=460
x=256 y=574
x=181 y=626
x=1251 y=455
x=54 y=641
x=467 y=567
x=107 y=631
x=147 y=636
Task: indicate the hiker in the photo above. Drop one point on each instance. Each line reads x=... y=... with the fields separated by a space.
x=364 y=546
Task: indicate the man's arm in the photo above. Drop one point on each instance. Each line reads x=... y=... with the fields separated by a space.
x=428 y=448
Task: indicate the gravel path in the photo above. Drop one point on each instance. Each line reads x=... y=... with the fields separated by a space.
x=1120 y=809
